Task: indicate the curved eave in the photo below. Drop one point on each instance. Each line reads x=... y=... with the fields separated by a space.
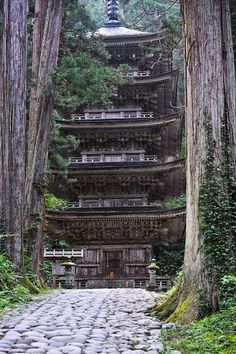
x=118 y=36
x=93 y=215
x=124 y=41
x=120 y=123
x=155 y=79
x=139 y=166
x=129 y=169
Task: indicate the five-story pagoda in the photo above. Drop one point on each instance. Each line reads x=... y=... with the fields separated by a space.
x=125 y=167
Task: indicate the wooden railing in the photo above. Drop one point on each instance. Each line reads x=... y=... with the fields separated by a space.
x=163 y=283
x=110 y=203
x=110 y=115
x=63 y=253
x=112 y=159
x=136 y=73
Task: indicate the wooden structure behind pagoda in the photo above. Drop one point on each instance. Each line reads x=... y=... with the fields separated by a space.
x=125 y=167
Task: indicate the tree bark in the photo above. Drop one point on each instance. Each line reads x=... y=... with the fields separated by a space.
x=210 y=99
x=1 y=142
x=233 y=23
x=46 y=38
x=12 y=124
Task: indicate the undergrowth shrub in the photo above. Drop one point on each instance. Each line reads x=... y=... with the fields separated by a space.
x=213 y=334
x=175 y=202
x=228 y=290
x=52 y=202
x=11 y=290
x=7 y=276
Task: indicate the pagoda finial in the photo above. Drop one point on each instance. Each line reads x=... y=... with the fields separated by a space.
x=113 y=13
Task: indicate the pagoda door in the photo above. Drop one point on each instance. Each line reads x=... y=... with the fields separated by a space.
x=113 y=263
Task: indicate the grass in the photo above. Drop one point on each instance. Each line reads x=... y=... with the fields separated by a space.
x=9 y=298
x=14 y=289
x=215 y=334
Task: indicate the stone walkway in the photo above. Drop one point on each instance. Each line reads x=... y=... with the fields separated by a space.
x=108 y=321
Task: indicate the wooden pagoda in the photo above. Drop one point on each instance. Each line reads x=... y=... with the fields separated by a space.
x=125 y=167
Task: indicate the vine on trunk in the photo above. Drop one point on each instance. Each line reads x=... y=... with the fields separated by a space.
x=217 y=207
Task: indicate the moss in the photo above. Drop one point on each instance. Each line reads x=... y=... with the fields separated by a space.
x=29 y=285
x=42 y=284
x=212 y=334
x=178 y=307
x=168 y=306
x=187 y=310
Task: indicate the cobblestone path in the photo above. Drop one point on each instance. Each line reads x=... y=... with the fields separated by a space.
x=83 y=321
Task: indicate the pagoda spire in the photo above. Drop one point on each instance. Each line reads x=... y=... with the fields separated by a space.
x=113 y=13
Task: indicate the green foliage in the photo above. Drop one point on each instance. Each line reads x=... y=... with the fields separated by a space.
x=213 y=334
x=217 y=209
x=228 y=290
x=20 y=294
x=80 y=19
x=175 y=202
x=96 y=11
x=56 y=118
x=60 y=146
x=17 y=294
x=172 y=24
x=11 y=290
x=54 y=243
x=47 y=270
x=81 y=79
x=149 y=14
x=52 y=202
x=7 y=276
x=58 y=161
x=170 y=258
x=182 y=152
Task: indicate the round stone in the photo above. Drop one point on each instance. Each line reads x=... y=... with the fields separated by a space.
x=104 y=321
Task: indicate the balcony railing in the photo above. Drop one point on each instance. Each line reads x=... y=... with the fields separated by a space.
x=136 y=73
x=164 y=283
x=110 y=115
x=111 y=203
x=63 y=253
x=111 y=159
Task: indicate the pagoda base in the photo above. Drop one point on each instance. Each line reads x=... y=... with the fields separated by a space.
x=107 y=266
x=112 y=283
x=103 y=283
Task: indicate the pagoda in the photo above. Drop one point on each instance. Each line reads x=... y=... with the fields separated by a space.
x=125 y=167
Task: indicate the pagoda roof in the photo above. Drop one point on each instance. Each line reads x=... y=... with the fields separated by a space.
x=134 y=170
x=121 y=31
x=164 y=226
x=119 y=35
x=110 y=124
x=138 y=213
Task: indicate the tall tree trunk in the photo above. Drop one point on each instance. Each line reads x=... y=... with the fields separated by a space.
x=46 y=38
x=233 y=22
x=1 y=142
x=12 y=123
x=211 y=139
